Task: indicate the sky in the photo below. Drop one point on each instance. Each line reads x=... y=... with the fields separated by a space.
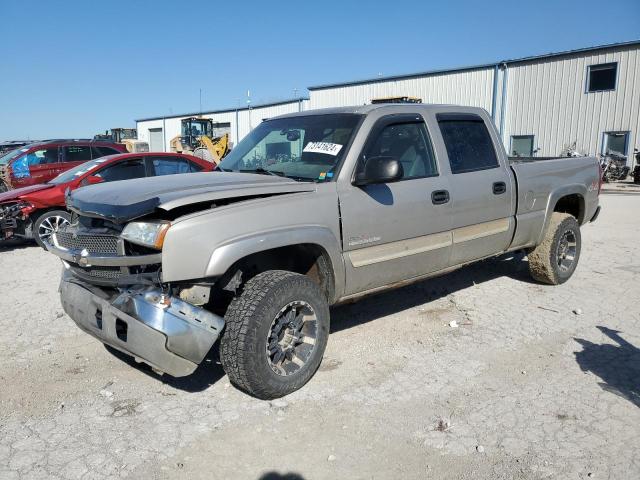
x=76 y=68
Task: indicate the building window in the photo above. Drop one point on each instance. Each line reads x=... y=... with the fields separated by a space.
x=602 y=77
x=615 y=142
x=521 y=146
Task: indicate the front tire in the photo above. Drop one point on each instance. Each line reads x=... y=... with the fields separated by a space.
x=556 y=258
x=47 y=224
x=275 y=334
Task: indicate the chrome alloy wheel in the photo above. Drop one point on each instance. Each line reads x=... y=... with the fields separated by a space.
x=566 y=251
x=292 y=338
x=49 y=226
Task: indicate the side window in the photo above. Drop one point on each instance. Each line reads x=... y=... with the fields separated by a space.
x=41 y=157
x=77 y=153
x=123 y=171
x=170 y=166
x=103 y=151
x=468 y=143
x=409 y=143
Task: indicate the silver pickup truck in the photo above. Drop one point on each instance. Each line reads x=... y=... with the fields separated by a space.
x=309 y=210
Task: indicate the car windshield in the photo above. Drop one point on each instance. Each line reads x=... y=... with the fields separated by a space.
x=7 y=157
x=79 y=170
x=307 y=148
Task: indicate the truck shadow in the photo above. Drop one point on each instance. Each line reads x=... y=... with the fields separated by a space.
x=15 y=244
x=512 y=265
x=618 y=366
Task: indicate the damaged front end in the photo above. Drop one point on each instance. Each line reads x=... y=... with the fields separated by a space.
x=14 y=220
x=112 y=288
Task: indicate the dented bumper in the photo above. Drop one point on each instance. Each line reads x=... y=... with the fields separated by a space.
x=167 y=333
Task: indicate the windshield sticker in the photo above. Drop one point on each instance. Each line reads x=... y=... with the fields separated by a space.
x=322 y=175
x=323 y=147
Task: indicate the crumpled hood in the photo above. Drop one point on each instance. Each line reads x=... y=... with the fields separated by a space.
x=13 y=195
x=128 y=199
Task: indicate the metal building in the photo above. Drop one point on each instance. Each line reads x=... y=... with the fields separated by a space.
x=543 y=105
x=158 y=131
x=586 y=99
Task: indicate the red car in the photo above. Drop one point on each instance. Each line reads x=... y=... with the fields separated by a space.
x=39 y=210
x=39 y=162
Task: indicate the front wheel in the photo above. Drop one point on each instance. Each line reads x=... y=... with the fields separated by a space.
x=556 y=258
x=275 y=334
x=49 y=223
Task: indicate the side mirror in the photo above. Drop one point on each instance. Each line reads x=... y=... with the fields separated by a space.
x=92 y=180
x=379 y=170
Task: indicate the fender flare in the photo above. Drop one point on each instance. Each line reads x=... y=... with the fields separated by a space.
x=228 y=253
x=554 y=196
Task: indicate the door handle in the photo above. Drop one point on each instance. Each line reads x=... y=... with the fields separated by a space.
x=499 y=188
x=439 y=197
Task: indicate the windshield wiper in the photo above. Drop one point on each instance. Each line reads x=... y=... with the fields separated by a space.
x=262 y=171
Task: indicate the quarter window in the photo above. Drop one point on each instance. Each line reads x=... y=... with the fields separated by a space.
x=601 y=77
x=468 y=143
x=408 y=143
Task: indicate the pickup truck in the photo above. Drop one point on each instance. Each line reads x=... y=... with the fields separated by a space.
x=309 y=210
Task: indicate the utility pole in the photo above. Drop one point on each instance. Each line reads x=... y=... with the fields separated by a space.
x=200 y=102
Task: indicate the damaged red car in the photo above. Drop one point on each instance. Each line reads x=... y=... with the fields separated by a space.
x=37 y=211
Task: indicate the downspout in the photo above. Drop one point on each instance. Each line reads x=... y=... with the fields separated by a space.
x=164 y=135
x=237 y=129
x=495 y=93
x=503 y=103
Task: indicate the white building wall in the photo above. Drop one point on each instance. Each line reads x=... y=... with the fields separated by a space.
x=469 y=88
x=547 y=98
x=241 y=122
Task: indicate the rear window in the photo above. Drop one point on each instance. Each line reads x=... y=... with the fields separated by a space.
x=468 y=143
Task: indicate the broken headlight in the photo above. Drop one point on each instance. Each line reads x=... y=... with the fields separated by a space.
x=147 y=234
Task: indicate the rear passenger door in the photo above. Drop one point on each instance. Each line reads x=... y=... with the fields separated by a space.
x=481 y=187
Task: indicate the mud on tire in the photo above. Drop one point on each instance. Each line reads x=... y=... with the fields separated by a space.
x=258 y=322
x=555 y=259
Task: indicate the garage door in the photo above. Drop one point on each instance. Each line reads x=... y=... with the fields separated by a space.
x=156 y=143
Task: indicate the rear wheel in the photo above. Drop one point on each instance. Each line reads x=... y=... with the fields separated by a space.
x=556 y=258
x=47 y=224
x=275 y=334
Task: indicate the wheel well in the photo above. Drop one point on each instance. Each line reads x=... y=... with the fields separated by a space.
x=307 y=259
x=572 y=204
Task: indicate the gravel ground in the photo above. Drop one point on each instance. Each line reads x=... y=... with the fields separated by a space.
x=535 y=382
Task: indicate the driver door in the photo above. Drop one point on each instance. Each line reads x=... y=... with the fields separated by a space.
x=399 y=230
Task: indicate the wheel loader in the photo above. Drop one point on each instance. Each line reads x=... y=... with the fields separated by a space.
x=197 y=139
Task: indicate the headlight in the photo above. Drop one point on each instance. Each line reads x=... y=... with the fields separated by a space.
x=147 y=234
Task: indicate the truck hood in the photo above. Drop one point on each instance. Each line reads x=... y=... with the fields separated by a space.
x=129 y=199
x=16 y=194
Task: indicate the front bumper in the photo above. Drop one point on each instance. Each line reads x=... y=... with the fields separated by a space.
x=169 y=334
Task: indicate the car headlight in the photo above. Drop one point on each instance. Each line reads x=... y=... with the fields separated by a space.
x=147 y=234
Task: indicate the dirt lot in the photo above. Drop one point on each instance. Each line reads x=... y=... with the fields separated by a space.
x=536 y=382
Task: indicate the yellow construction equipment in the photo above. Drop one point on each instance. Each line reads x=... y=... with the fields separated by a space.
x=127 y=137
x=197 y=139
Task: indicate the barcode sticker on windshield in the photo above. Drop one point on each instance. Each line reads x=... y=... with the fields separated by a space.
x=323 y=147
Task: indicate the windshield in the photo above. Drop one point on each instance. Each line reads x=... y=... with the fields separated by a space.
x=302 y=148
x=7 y=157
x=79 y=170
x=195 y=128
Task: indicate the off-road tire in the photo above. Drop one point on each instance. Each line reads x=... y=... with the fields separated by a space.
x=40 y=219
x=543 y=260
x=248 y=321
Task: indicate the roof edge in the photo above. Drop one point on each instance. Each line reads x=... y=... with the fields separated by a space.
x=225 y=110
x=472 y=67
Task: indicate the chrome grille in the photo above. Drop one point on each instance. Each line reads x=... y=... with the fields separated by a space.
x=94 y=244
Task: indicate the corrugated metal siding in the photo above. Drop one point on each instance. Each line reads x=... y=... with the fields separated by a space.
x=547 y=98
x=471 y=88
